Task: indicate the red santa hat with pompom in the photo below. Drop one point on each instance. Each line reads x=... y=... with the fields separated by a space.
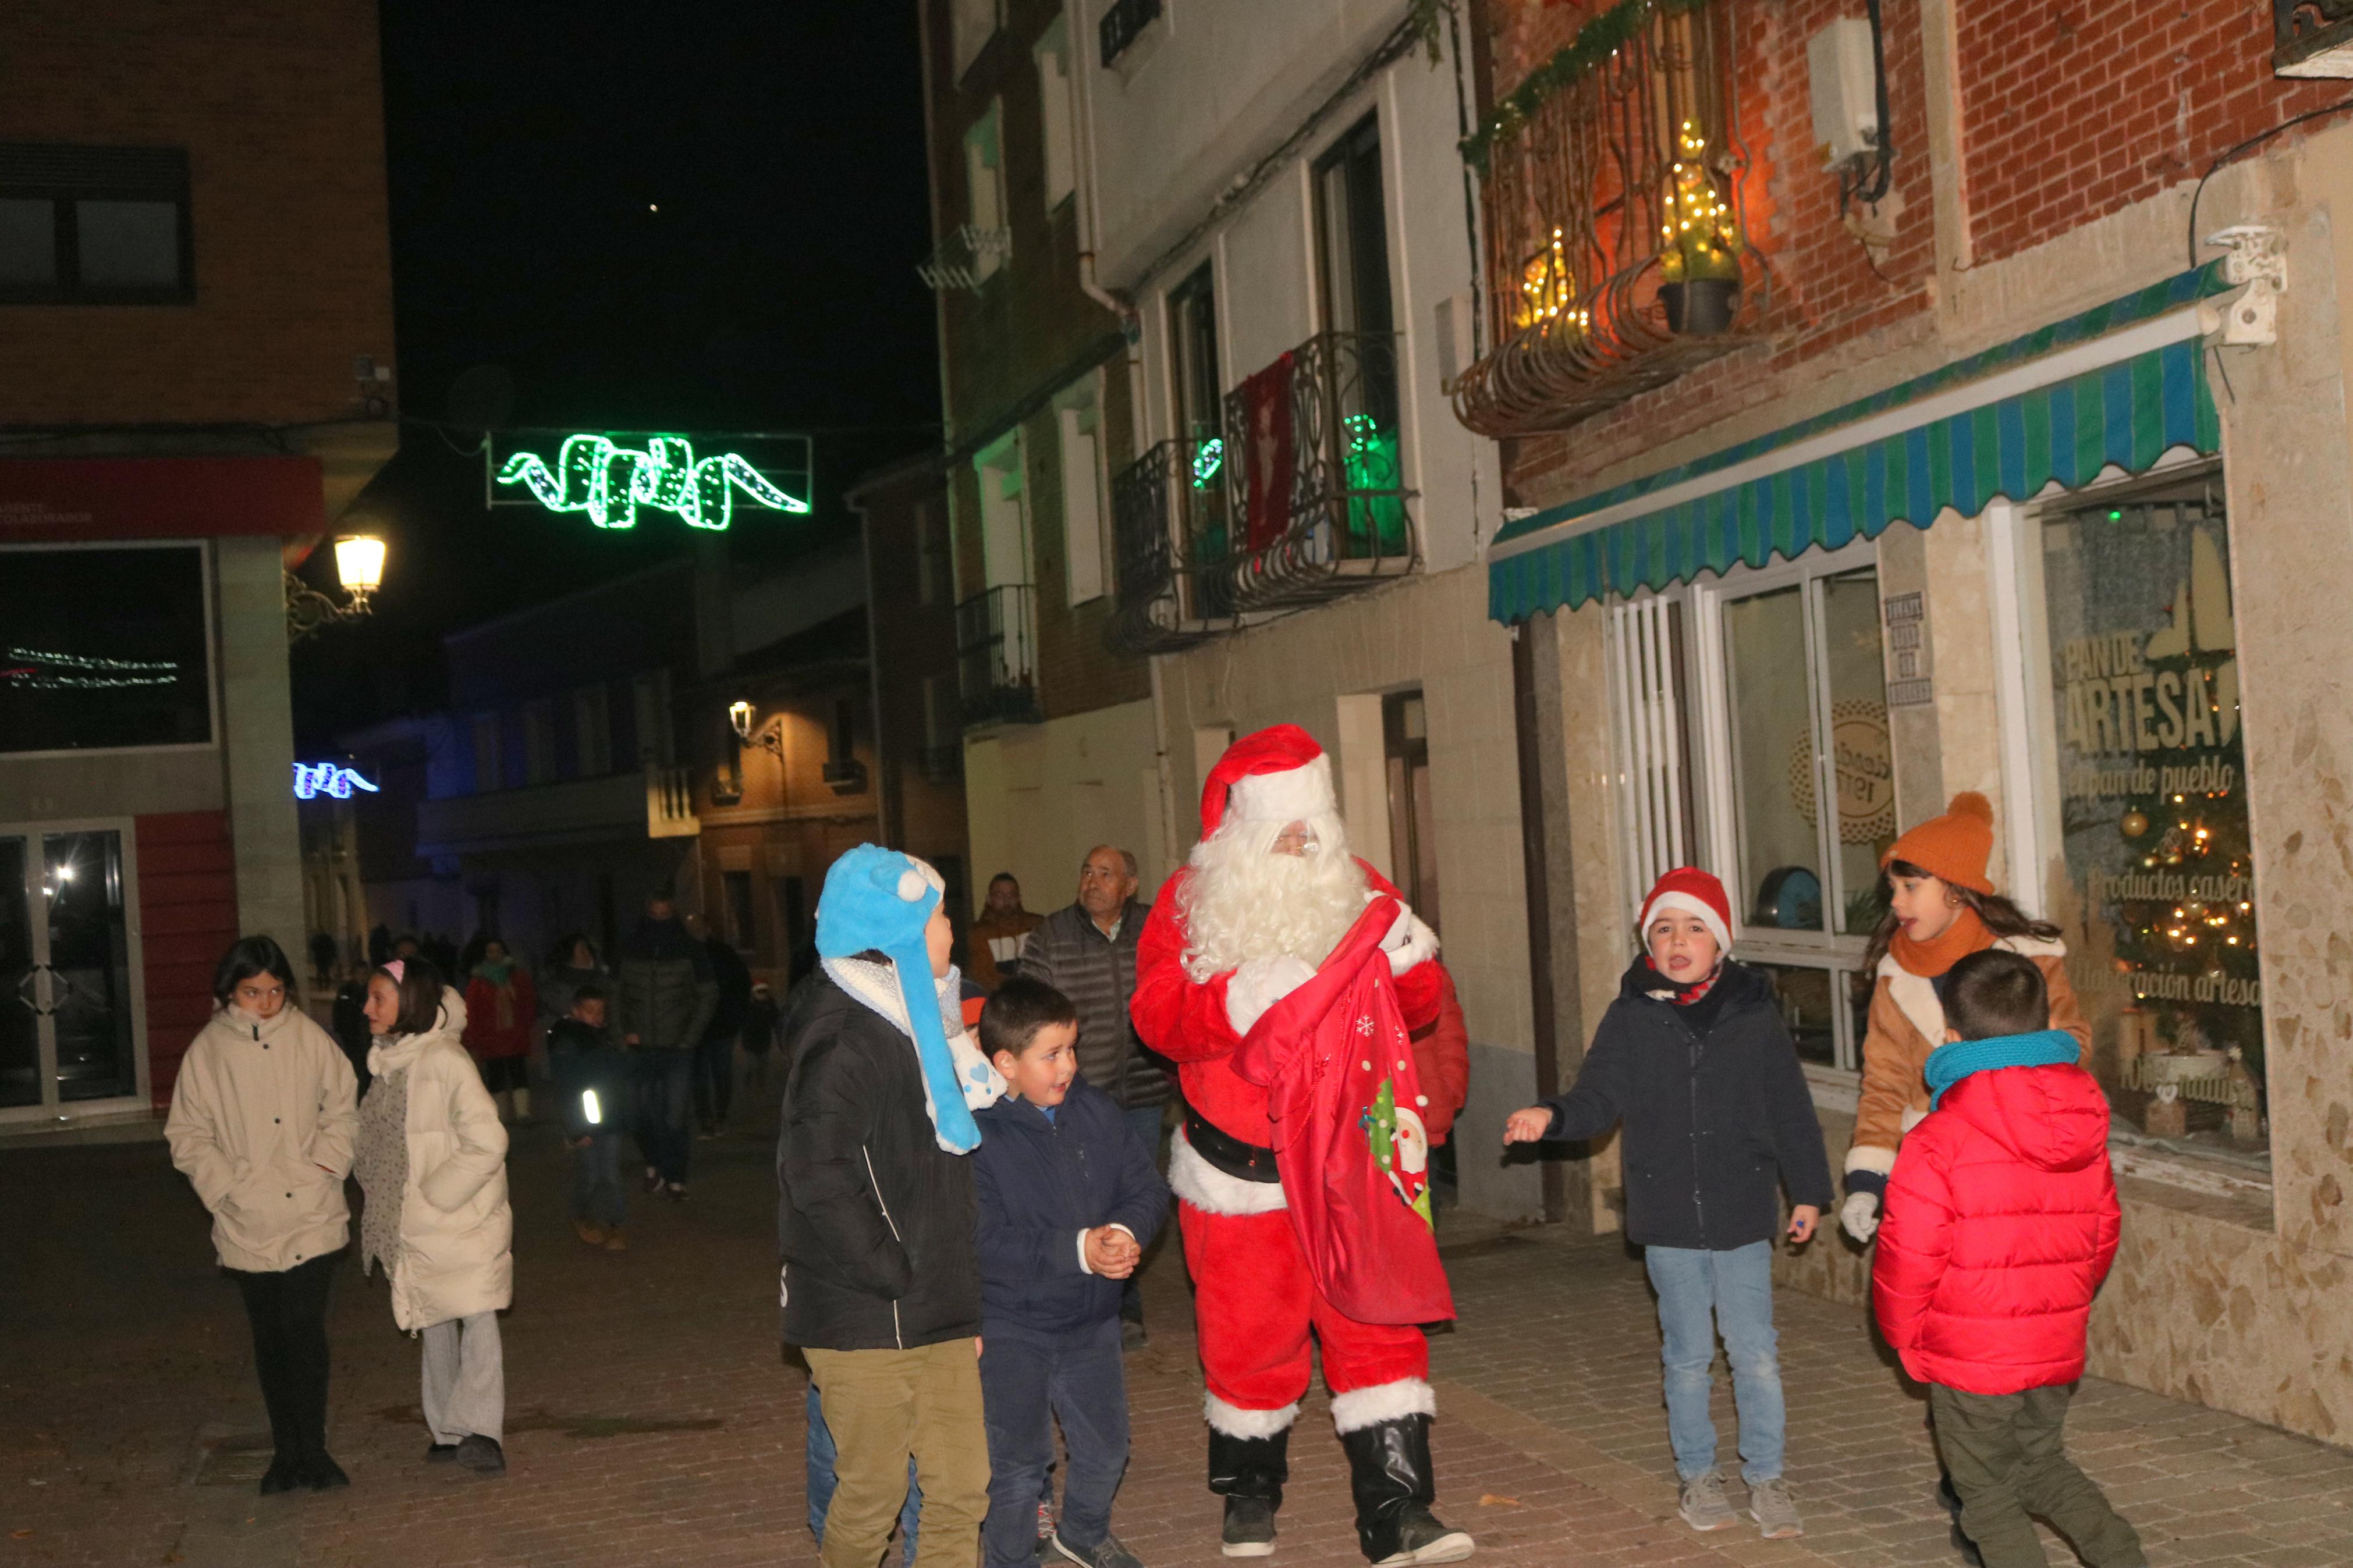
x=1690 y=890
x=1278 y=775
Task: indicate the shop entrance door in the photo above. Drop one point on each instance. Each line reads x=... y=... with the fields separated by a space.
x=68 y=1036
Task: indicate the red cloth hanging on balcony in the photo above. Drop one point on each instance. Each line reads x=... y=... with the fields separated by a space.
x=1266 y=400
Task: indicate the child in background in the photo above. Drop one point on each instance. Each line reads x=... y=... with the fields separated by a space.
x=592 y=1092
x=2001 y=1220
x=1693 y=1057
x=1069 y=1199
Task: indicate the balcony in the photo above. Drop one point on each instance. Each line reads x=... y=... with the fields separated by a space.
x=997 y=653
x=1618 y=255
x=1170 y=549
x=658 y=803
x=967 y=258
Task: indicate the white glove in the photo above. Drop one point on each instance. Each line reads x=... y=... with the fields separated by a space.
x=1860 y=1214
x=1409 y=942
x=1260 y=985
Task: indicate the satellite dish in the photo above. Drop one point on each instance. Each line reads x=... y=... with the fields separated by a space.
x=481 y=397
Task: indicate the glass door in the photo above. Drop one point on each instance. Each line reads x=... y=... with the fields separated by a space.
x=68 y=1034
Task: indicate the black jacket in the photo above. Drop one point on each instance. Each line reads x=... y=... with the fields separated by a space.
x=663 y=990
x=1041 y=1182
x=874 y=1220
x=735 y=991
x=1070 y=953
x=1716 y=1118
x=582 y=1060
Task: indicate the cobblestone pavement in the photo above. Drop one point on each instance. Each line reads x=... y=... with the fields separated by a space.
x=653 y=1420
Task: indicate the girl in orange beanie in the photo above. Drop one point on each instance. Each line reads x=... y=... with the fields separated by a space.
x=1941 y=907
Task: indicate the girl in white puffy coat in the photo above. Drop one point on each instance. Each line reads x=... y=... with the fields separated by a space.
x=432 y=1161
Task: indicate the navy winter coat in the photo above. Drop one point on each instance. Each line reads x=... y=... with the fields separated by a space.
x=1717 y=1116
x=580 y=1060
x=1040 y=1184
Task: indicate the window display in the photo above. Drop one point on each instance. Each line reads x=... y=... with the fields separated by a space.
x=103 y=648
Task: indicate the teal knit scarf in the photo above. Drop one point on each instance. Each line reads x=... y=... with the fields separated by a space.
x=1948 y=1065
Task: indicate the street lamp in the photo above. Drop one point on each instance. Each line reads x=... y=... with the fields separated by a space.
x=359 y=566
x=739 y=715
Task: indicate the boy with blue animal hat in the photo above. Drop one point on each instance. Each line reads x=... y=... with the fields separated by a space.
x=881 y=1279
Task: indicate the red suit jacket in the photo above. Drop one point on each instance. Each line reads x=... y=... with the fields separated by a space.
x=1185 y=1020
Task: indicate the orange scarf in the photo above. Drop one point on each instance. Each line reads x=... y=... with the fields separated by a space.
x=1968 y=933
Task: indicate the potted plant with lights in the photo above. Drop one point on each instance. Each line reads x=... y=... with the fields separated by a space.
x=1700 y=259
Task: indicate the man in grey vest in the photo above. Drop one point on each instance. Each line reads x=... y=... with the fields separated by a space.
x=1087 y=952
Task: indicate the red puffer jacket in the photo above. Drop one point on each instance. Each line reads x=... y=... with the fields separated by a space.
x=2000 y=1222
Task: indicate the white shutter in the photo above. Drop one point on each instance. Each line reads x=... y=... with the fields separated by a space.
x=1081 y=509
x=1647 y=722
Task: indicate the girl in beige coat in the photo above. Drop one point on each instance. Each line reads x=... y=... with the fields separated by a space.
x=261 y=1124
x=432 y=1160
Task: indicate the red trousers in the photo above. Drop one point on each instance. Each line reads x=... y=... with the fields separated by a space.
x=1255 y=1306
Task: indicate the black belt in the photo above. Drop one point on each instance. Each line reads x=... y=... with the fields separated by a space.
x=1224 y=1152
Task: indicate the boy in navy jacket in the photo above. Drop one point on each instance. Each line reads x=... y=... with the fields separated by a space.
x=1069 y=1200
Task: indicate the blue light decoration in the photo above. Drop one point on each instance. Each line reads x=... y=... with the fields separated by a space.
x=609 y=481
x=314 y=779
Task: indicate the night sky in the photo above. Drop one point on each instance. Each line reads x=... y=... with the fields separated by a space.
x=704 y=216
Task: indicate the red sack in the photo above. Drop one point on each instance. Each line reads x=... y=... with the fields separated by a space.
x=1345 y=1100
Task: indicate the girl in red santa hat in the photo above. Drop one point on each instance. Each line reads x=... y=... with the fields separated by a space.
x=1694 y=1059
x=1267 y=894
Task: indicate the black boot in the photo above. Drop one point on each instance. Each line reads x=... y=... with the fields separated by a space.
x=1390 y=1474
x=1249 y=1473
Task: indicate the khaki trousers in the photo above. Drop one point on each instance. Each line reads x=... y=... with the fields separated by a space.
x=881 y=1406
x=2007 y=1457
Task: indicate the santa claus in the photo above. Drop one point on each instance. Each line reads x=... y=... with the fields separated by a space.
x=1270 y=897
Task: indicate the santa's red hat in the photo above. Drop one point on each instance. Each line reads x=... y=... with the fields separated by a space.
x=1690 y=891
x=1278 y=775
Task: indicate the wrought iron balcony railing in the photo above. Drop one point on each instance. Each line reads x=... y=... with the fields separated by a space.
x=966 y=258
x=1171 y=548
x=1312 y=479
x=1618 y=254
x=997 y=656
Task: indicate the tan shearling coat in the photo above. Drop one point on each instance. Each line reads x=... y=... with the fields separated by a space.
x=1907 y=1023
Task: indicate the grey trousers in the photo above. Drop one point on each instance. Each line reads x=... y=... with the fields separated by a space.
x=465 y=1379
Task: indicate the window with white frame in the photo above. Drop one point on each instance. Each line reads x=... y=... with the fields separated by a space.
x=984 y=167
x=1083 y=500
x=1752 y=739
x=1055 y=105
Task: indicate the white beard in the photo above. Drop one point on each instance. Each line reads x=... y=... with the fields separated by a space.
x=1244 y=901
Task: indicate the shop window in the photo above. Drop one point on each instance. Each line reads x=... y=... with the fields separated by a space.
x=2148 y=770
x=104 y=648
x=1751 y=738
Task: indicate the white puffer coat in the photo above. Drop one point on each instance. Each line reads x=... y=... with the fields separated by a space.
x=456 y=1231
x=262 y=1123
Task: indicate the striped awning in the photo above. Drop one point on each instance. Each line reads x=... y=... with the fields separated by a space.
x=2115 y=388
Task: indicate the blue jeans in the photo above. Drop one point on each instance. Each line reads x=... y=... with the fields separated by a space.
x=665 y=1111
x=1701 y=1294
x=599 y=1194
x=1026 y=1387
x=1143 y=1120
x=820 y=1481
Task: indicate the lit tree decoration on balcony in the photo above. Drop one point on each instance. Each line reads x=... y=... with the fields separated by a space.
x=1701 y=243
x=1548 y=289
x=609 y=482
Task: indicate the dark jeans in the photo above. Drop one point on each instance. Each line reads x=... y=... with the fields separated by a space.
x=2007 y=1455
x=288 y=1312
x=820 y=1458
x=1025 y=1387
x=715 y=1080
x=598 y=1194
x=665 y=1111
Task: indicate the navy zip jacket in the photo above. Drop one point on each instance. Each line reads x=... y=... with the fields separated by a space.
x=1716 y=1111
x=582 y=1058
x=1040 y=1184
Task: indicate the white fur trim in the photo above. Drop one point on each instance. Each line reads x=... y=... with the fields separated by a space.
x=1915 y=996
x=1686 y=904
x=1912 y=1117
x=1211 y=1191
x=1362 y=1407
x=1296 y=796
x=1870 y=1157
x=1236 y=1422
x=1409 y=942
x=1260 y=985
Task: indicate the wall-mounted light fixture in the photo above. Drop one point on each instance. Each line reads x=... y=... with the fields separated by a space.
x=739 y=715
x=359 y=567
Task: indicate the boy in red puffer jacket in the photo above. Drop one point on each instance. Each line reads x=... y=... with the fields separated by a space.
x=2000 y=1222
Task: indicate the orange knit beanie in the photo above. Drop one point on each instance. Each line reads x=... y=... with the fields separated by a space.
x=1953 y=847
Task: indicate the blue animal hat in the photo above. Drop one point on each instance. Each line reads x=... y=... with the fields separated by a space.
x=881 y=900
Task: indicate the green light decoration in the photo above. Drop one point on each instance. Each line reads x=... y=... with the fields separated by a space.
x=610 y=483
x=1206 y=460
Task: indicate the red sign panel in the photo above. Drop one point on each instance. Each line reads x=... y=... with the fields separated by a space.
x=50 y=499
